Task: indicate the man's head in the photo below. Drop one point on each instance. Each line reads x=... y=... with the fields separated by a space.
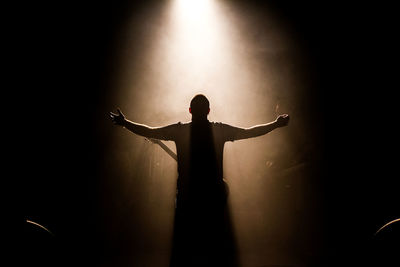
x=199 y=107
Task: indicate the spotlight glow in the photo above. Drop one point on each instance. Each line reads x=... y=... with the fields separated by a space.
x=197 y=40
x=193 y=12
x=198 y=55
x=195 y=47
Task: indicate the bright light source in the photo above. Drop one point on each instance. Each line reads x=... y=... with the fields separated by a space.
x=197 y=53
x=193 y=10
x=196 y=32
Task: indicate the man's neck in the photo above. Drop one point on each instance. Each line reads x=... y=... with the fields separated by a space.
x=199 y=119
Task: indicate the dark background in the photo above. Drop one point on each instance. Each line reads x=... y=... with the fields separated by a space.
x=57 y=76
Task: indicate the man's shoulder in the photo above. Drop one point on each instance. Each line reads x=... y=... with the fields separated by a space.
x=177 y=124
x=219 y=124
x=182 y=124
x=221 y=127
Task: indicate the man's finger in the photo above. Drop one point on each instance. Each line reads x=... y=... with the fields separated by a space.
x=119 y=112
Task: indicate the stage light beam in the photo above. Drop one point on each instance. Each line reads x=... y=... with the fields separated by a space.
x=193 y=11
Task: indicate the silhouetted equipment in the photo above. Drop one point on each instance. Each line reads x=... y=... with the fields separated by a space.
x=39 y=225
x=37 y=246
x=386 y=245
x=164 y=147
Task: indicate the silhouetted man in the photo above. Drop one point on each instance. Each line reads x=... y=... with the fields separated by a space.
x=202 y=227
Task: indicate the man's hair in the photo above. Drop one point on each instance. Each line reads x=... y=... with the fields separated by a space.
x=200 y=104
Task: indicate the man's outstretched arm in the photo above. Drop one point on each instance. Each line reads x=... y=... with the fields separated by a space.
x=258 y=130
x=141 y=129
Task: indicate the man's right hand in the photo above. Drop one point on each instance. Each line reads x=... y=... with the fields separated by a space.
x=282 y=120
x=118 y=119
